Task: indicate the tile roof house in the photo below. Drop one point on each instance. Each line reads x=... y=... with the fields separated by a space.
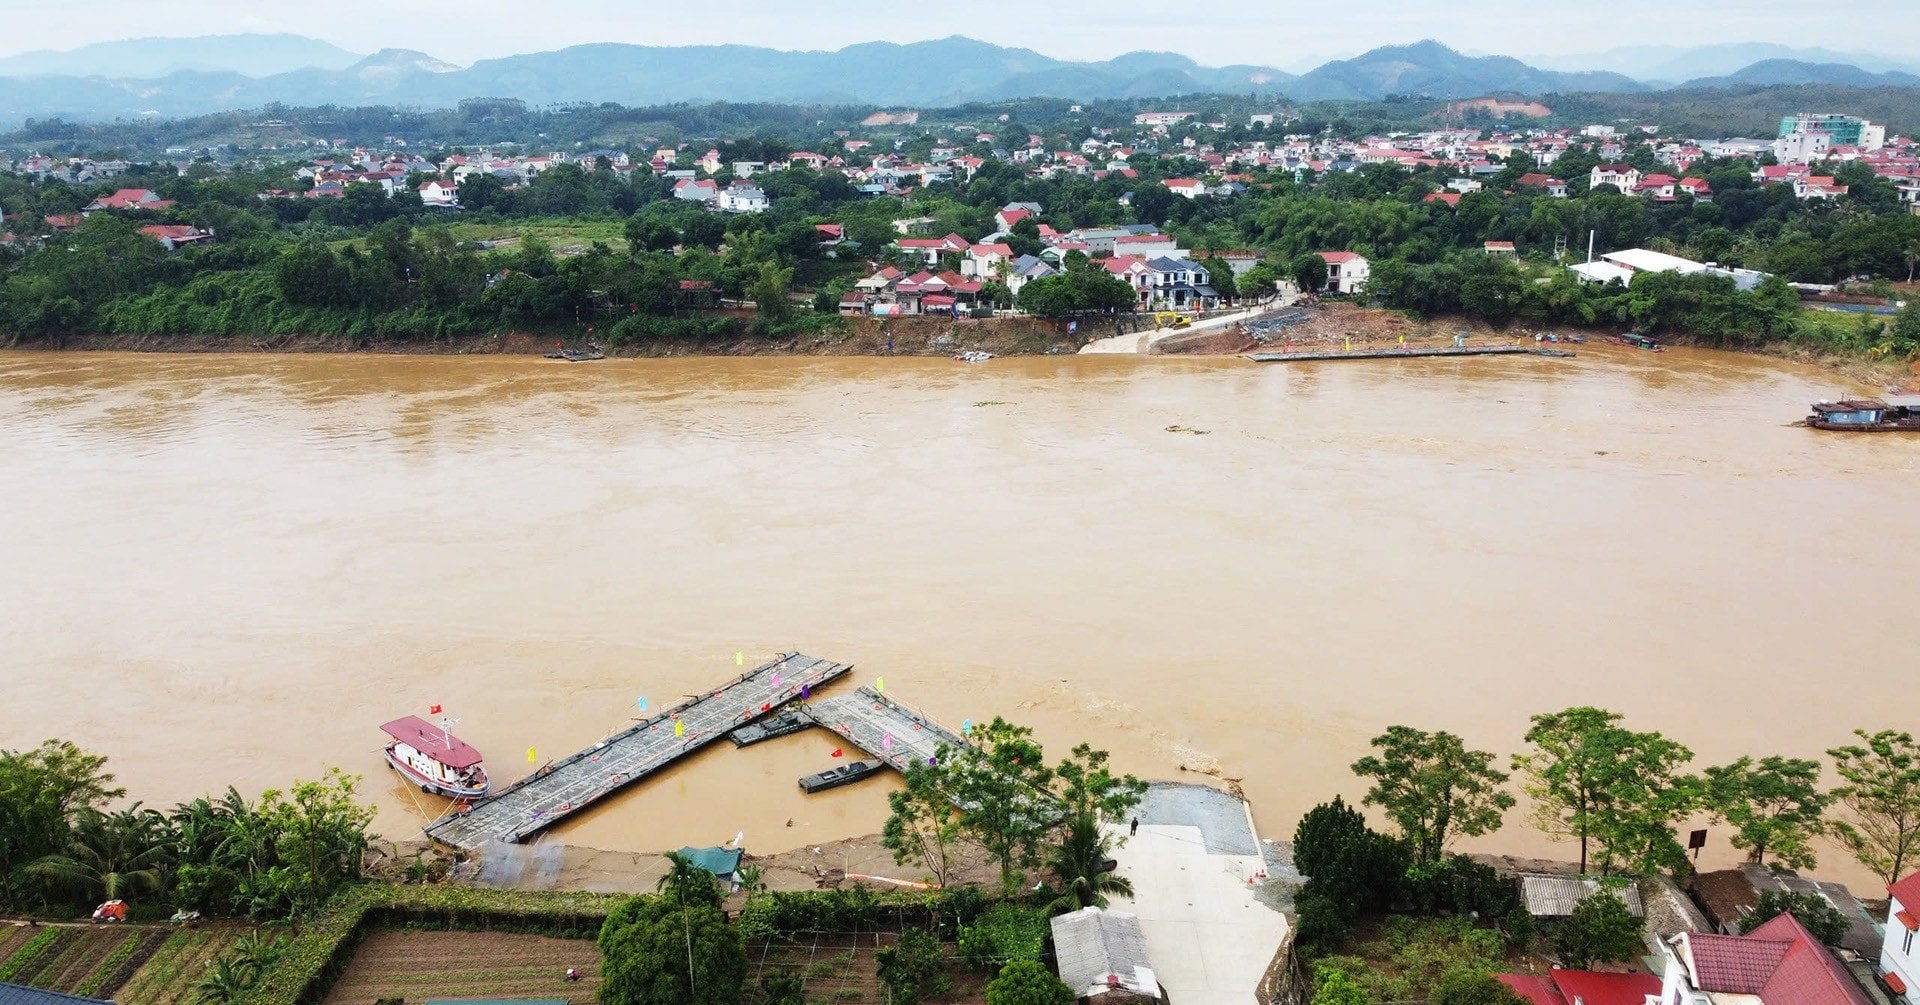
x=173 y=238
x=1779 y=963
x=1900 y=953
x=1567 y=987
x=1102 y=956
x=1729 y=895
x=128 y=198
x=1347 y=272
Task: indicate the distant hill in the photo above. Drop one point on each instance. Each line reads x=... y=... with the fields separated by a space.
x=248 y=55
x=1777 y=72
x=1656 y=63
x=1434 y=70
x=176 y=78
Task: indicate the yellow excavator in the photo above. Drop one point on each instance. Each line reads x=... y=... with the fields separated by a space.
x=1172 y=319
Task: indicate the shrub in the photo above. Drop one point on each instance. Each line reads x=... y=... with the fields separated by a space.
x=671 y=955
x=1026 y=982
x=1459 y=885
x=1006 y=932
x=911 y=968
x=1600 y=930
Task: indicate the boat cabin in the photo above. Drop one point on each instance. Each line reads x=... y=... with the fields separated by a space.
x=1852 y=413
x=433 y=758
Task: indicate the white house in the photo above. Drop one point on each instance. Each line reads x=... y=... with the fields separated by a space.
x=1346 y=272
x=703 y=190
x=1192 y=188
x=1778 y=963
x=743 y=198
x=441 y=194
x=1899 y=957
x=1624 y=177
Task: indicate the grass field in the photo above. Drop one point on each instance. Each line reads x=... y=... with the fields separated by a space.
x=844 y=970
x=422 y=965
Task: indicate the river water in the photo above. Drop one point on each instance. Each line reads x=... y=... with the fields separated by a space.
x=232 y=569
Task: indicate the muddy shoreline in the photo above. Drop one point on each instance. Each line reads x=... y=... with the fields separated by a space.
x=925 y=336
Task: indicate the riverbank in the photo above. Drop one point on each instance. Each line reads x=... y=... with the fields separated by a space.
x=848 y=336
x=1329 y=325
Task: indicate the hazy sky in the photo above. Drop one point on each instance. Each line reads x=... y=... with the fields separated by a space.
x=1290 y=34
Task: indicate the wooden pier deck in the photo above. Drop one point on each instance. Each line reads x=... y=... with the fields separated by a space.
x=867 y=718
x=568 y=786
x=1397 y=352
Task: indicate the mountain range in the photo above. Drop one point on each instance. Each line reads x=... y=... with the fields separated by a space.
x=178 y=77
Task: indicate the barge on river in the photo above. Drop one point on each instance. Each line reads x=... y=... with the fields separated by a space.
x=1866 y=416
x=433 y=758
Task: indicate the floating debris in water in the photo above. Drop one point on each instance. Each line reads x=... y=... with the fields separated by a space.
x=989 y=404
x=1188 y=430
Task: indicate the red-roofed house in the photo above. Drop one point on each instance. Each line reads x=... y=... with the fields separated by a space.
x=982 y=259
x=1346 y=271
x=1779 y=963
x=1698 y=188
x=128 y=198
x=1565 y=987
x=1450 y=198
x=929 y=249
x=1192 y=188
x=1006 y=218
x=1500 y=248
x=1899 y=958
x=173 y=238
x=1553 y=186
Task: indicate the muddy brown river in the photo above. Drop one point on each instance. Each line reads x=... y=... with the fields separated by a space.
x=232 y=569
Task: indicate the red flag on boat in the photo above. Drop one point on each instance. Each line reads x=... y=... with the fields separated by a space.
x=837 y=751
x=433 y=710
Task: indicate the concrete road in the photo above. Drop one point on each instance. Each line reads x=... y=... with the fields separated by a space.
x=1141 y=342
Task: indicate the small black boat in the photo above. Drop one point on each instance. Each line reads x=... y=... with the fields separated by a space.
x=833 y=778
x=783 y=724
x=577 y=355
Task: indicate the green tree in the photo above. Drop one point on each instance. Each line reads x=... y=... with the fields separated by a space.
x=769 y=293
x=648 y=234
x=1079 y=863
x=1593 y=780
x=1433 y=788
x=227 y=980
x=1308 y=270
x=1473 y=985
x=686 y=883
x=1000 y=780
x=911 y=969
x=1028 y=982
x=320 y=836
x=1775 y=805
x=1088 y=788
x=116 y=856
x=1332 y=986
x=1879 y=795
x=1600 y=930
x=656 y=952
x=923 y=824
x=1813 y=912
x=782 y=987
x=45 y=793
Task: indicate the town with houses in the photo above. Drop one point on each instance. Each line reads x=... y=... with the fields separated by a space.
x=938 y=273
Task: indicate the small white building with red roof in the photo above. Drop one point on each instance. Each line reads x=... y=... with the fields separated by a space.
x=1900 y=952
x=1347 y=272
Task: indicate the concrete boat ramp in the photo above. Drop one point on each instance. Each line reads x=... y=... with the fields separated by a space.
x=1402 y=352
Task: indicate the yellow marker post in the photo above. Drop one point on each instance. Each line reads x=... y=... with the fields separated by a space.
x=529 y=755
x=679 y=728
x=739 y=658
x=880 y=685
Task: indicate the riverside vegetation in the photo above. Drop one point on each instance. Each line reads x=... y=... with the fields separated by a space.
x=366 y=267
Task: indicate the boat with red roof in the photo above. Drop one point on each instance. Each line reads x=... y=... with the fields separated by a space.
x=433 y=758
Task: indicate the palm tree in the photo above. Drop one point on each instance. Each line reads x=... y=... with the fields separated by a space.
x=227 y=980
x=113 y=857
x=1912 y=254
x=1079 y=862
x=688 y=883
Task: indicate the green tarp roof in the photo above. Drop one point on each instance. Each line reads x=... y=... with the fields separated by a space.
x=719 y=861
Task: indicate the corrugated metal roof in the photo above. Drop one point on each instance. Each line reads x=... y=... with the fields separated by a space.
x=1550 y=896
x=1092 y=943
